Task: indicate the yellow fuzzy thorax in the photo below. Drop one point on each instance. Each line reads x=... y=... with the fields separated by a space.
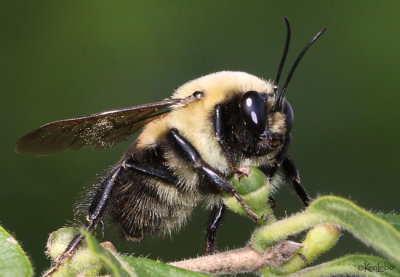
x=194 y=119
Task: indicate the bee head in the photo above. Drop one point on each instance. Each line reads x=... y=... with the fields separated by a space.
x=260 y=129
x=271 y=124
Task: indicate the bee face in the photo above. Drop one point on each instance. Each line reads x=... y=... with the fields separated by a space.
x=256 y=128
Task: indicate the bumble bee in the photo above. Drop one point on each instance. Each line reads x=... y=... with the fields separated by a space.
x=209 y=128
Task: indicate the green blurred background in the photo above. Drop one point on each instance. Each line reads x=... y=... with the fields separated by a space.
x=62 y=59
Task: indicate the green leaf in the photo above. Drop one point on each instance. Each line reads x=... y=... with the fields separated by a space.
x=354 y=265
x=13 y=261
x=393 y=219
x=125 y=266
x=369 y=228
x=150 y=268
x=112 y=261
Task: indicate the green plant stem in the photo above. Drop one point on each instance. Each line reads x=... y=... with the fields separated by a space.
x=267 y=235
x=367 y=227
x=319 y=240
x=352 y=265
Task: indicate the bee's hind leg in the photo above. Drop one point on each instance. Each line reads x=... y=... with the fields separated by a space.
x=101 y=198
x=93 y=218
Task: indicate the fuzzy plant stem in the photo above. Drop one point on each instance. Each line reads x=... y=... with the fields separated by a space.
x=241 y=260
x=367 y=227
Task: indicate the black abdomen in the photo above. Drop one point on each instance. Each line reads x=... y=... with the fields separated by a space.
x=149 y=198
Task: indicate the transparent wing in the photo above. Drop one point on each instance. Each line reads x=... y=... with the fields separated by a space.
x=100 y=131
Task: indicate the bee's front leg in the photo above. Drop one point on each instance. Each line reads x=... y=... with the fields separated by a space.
x=220 y=136
x=292 y=174
x=193 y=156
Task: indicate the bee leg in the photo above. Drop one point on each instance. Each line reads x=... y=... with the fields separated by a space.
x=291 y=172
x=217 y=213
x=270 y=171
x=282 y=153
x=220 y=135
x=93 y=219
x=193 y=156
x=161 y=173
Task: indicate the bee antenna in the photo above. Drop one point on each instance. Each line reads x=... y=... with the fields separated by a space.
x=278 y=102
x=284 y=55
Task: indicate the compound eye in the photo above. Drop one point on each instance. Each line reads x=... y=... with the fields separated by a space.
x=289 y=116
x=254 y=112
